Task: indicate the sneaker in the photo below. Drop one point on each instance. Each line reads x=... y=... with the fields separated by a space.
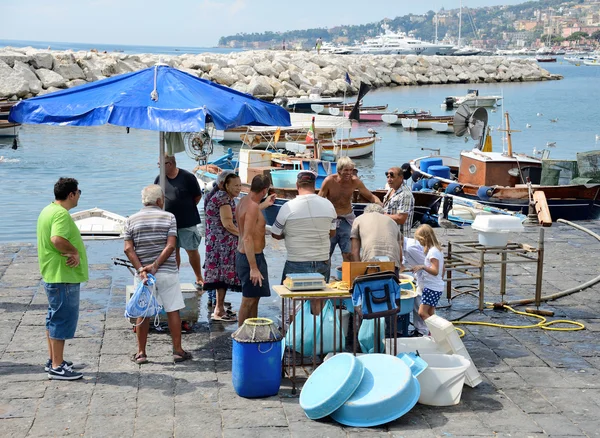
x=65 y=362
x=63 y=372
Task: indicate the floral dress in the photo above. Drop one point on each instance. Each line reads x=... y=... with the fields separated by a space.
x=221 y=246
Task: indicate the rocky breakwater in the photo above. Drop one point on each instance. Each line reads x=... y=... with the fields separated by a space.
x=27 y=72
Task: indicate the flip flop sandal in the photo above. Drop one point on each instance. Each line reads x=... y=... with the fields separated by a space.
x=223 y=318
x=230 y=312
x=227 y=304
x=140 y=359
x=182 y=357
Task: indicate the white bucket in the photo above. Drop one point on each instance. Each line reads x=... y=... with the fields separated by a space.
x=442 y=382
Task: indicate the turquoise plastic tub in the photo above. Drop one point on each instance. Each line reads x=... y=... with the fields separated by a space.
x=284 y=179
x=256 y=368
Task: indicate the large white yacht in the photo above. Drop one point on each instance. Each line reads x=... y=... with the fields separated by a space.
x=398 y=43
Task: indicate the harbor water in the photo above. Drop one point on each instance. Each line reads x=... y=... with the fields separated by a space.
x=112 y=166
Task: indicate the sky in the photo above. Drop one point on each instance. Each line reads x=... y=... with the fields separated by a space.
x=194 y=23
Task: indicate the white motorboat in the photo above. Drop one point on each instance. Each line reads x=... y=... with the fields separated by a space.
x=99 y=224
x=392 y=43
x=472 y=98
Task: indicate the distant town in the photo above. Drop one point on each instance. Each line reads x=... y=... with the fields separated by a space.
x=552 y=24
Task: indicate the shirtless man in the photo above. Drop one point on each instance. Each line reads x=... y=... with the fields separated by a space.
x=339 y=188
x=250 y=263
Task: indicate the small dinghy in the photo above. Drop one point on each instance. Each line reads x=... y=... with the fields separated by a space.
x=98 y=224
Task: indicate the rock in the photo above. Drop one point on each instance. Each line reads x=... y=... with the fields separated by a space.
x=66 y=66
x=259 y=86
x=40 y=59
x=75 y=83
x=50 y=78
x=299 y=79
x=12 y=83
x=245 y=70
x=49 y=90
x=9 y=57
x=35 y=85
x=223 y=76
x=265 y=69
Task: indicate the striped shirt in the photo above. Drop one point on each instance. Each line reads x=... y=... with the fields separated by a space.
x=401 y=201
x=149 y=230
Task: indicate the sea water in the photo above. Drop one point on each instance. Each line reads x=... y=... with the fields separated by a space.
x=112 y=166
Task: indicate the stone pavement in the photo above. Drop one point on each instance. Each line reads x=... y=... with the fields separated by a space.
x=535 y=382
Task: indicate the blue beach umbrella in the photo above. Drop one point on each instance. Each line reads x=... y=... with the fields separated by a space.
x=159 y=98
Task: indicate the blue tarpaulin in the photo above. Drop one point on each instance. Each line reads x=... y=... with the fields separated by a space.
x=159 y=98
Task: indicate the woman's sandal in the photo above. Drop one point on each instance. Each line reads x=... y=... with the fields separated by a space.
x=182 y=357
x=223 y=318
x=139 y=358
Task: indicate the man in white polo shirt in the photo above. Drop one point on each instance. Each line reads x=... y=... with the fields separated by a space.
x=307 y=223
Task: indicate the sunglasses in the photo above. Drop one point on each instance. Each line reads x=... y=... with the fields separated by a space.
x=390 y=175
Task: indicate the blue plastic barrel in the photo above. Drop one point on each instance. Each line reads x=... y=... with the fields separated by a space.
x=439 y=171
x=425 y=163
x=256 y=368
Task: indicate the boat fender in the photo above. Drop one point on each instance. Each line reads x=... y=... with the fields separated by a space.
x=433 y=183
x=485 y=193
x=454 y=189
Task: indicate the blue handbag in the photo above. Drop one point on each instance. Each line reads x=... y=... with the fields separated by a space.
x=377 y=294
x=143 y=303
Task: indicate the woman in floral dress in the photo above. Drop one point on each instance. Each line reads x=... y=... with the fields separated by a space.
x=221 y=245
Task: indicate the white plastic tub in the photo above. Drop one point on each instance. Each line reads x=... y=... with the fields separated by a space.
x=443 y=379
x=494 y=229
x=423 y=344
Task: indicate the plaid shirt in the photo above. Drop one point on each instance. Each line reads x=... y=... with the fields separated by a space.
x=401 y=201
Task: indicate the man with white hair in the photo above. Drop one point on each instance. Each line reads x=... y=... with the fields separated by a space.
x=375 y=234
x=339 y=189
x=150 y=238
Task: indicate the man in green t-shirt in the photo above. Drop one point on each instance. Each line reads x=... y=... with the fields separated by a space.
x=63 y=265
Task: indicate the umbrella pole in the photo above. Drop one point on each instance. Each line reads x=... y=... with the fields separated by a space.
x=161 y=160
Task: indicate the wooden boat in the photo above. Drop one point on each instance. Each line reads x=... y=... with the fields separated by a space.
x=348 y=147
x=337 y=109
x=98 y=224
x=7 y=129
x=443 y=127
x=509 y=181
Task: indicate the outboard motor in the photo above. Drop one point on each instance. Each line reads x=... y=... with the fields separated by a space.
x=450 y=103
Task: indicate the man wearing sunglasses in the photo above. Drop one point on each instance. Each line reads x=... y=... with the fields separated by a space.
x=64 y=266
x=399 y=202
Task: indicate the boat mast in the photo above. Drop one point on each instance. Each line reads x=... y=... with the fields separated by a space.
x=508 y=131
x=436 y=28
x=459 y=23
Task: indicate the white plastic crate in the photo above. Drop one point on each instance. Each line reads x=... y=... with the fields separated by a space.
x=446 y=337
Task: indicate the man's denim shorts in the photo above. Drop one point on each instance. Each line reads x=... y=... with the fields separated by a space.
x=323 y=268
x=341 y=238
x=189 y=238
x=63 y=309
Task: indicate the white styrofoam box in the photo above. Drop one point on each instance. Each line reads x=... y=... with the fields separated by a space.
x=423 y=344
x=252 y=158
x=446 y=337
x=494 y=228
x=190 y=299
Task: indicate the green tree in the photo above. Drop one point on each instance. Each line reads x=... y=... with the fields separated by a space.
x=576 y=36
x=596 y=35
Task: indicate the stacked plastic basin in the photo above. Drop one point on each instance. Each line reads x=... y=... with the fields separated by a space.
x=363 y=391
x=439 y=171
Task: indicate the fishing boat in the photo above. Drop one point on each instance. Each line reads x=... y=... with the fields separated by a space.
x=545 y=58
x=510 y=180
x=382 y=115
x=356 y=147
x=443 y=127
x=337 y=109
x=472 y=98
x=99 y=224
x=7 y=129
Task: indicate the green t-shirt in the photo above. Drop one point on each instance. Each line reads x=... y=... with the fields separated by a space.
x=55 y=220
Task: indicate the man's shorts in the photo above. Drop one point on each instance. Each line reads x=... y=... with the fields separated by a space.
x=242 y=268
x=323 y=268
x=63 y=309
x=167 y=291
x=431 y=297
x=188 y=238
x=342 y=237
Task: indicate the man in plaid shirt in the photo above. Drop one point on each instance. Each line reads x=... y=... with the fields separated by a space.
x=399 y=202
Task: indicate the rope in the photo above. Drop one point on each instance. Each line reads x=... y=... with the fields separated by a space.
x=154 y=94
